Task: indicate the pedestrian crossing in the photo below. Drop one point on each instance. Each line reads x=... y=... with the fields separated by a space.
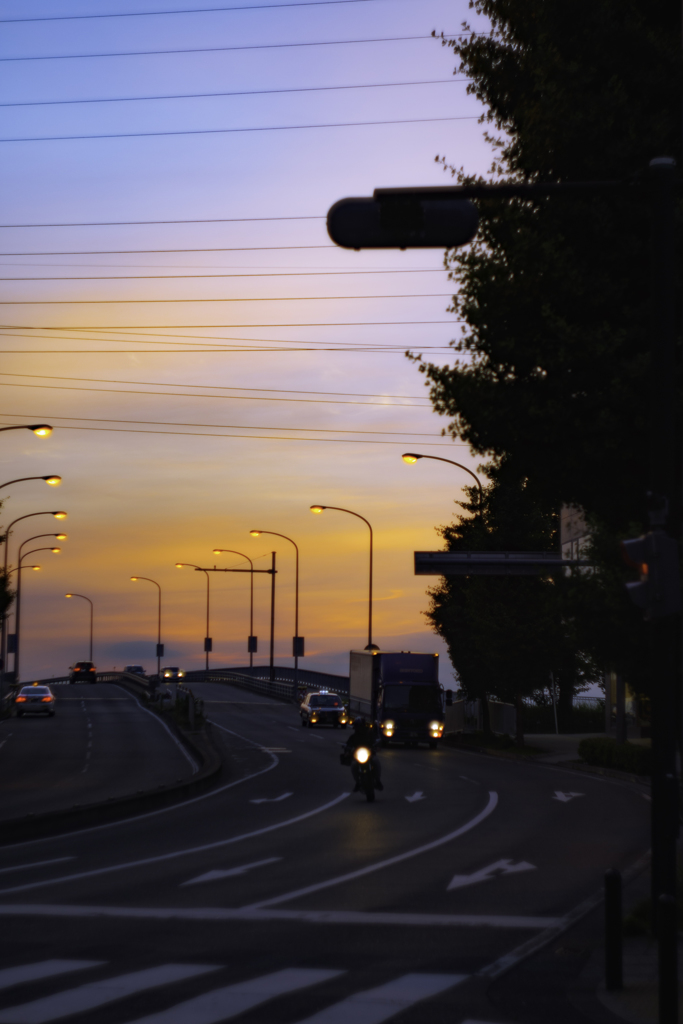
x=216 y=1004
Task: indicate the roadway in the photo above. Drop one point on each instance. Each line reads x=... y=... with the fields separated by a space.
x=101 y=743
x=280 y=896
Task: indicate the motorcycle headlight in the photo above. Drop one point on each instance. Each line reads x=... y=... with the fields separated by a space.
x=388 y=727
x=362 y=754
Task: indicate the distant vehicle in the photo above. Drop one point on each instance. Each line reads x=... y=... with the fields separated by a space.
x=399 y=691
x=323 y=708
x=172 y=672
x=35 y=700
x=83 y=672
x=136 y=670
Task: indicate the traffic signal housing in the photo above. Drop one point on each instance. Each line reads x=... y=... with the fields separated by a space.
x=655 y=555
x=406 y=220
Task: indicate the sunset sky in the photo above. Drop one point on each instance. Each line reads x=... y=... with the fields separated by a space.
x=273 y=363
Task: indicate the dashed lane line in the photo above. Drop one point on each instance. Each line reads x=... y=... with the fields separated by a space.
x=35 y=864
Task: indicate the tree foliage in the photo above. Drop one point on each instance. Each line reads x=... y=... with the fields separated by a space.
x=549 y=378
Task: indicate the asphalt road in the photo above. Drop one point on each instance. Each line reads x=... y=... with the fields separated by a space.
x=101 y=743
x=282 y=897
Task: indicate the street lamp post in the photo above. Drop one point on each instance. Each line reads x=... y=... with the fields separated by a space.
x=91 y=616
x=251 y=644
x=207 y=639
x=17 y=613
x=3 y=624
x=297 y=641
x=412 y=457
x=39 y=429
x=321 y=508
x=160 y=648
x=53 y=481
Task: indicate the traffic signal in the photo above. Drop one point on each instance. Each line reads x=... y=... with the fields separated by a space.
x=655 y=555
x=402 y=221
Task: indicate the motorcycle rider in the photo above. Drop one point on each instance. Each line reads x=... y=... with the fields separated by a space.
x=364 y=735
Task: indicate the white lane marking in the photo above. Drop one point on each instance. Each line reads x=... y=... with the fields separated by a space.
x=176 y=853
x=646 y=796
x=35 y=864
x=314 y=737
x=99 y=993
x=501 y=867
x=193 y=764
x=343 y=917
x=164 y=810
x=472 y=823
x=214 y=876
x=379 y=1004
x=271 y=799
x=223 y=1003
x=5 y=739
x=565 y=797
x=44 y=969
x=418 y=795
x=277 y=750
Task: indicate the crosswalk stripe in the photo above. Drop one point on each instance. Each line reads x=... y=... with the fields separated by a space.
x=223 y=1003
x=99 y=993
x=385 y=1001
x=44 y=969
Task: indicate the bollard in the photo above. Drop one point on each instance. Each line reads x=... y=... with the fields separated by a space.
x=667 y=936
x=613 y=946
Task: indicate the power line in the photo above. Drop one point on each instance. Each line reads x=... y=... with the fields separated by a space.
x=230 y=131
x=227 y=49
x=191 y=10
x=279 y=391
x=232 y=327
x=256 y=298
x=147 y=223
x=176 y=394
x=183 y=277
x=140 y=252
x=243 y=92
x=224 y=350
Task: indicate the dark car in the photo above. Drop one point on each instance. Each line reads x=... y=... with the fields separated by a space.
x=35 y=700
x=83 y=672
x=323 y=708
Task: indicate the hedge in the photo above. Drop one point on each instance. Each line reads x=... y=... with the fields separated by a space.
x=625 y=757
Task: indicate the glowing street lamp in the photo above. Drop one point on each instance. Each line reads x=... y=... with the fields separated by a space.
x=53 y=481
x=322 y=508
x=91 y=616
x=208 y=643
x=412 y=457
x=160 y=646
x=39 y=429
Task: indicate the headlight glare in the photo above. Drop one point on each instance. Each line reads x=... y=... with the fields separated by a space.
x=362 y=755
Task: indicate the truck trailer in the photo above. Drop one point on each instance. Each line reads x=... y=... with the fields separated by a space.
x=400 y=692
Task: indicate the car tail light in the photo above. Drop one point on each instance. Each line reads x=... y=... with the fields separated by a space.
x=20 y=700
x=46 y=699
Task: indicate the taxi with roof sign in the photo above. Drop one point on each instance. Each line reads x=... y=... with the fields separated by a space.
x=35 y=699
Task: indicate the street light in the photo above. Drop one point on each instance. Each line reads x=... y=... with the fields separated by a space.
x=160 y=646
x=53 y=481
x=39 y=429
x=412 y=457
x=207 y=639
x=251 y=643
x=3 y=623
x=91 y=616
x=17 y=613
x=321 y=508
x=297 y=641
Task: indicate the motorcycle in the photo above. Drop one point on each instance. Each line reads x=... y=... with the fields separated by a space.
x=362 y=759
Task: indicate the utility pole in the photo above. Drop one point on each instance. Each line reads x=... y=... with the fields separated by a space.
x=272 y=618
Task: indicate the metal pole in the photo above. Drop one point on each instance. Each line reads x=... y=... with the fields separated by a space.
x=664 y=513
x=296 y=626
x=251 y=615
x=272 y=618
x=159 y=637
x=207 y=615
x=17 y=620
x=552 y=680
x=91 y=618
x=370 y=600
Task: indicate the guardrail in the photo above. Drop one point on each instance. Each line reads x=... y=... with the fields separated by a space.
x=279 y=688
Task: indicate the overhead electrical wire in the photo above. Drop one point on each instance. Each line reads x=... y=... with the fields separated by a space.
x=147 y=223
x=232 y=327
x=231 y=131
x=243 y=92
x=226 y=49
x=182 y=277
x=174 y=394
x=140 y=252
x=255 y=298
x=190 y=10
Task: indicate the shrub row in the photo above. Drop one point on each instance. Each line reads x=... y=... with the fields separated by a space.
x=625 y=757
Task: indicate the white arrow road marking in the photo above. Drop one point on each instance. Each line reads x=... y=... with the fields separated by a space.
x=565 y=797
x=213 y=876
x=271 y=799
x=501 y=867
x=419 y=795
